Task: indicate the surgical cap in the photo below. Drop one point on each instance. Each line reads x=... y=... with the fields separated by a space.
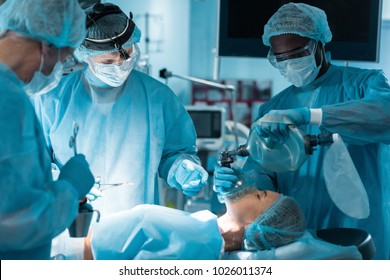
x=57 y=22
x=107 y=27
x=300 y=19
x=280 y=224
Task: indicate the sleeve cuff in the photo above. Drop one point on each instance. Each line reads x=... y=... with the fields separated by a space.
x=316 y=116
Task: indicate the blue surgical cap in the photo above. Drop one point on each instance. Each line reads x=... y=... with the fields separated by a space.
x=107 y=27
x=280 y=224
x=300 y=19
x=57 y=22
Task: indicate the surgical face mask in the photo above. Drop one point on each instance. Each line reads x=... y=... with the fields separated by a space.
x=298 y=67
x=115 y=74
x=41 y=83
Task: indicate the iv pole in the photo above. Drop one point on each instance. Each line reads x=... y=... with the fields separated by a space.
x=164 y=73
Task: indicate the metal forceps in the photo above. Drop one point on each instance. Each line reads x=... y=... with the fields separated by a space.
x=103 y=186
x=72 y=140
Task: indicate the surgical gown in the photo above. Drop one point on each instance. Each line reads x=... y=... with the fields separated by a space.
x=129 y=134
x=33 y=208
x=355 y=104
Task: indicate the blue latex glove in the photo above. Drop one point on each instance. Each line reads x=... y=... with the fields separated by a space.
x=191 y=176
x=93 y=194
x=278 y=131
x=76 y=171
x=224 y=178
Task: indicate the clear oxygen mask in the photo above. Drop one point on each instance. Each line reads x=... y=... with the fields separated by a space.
x=242 y=187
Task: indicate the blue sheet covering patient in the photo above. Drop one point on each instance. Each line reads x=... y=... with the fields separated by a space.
x=156 y=232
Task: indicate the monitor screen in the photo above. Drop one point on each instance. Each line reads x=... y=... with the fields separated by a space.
x=209 y=122
x=355 y=25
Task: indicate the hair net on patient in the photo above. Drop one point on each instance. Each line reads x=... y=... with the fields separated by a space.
x=57 y=22
x=280 y=224
x=108 y=26
x=300 y=19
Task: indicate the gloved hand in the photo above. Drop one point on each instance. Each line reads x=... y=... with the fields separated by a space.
x=278 y=130
x=93 y=194
x=76 y=171
x=191 y=176
x=224 y=179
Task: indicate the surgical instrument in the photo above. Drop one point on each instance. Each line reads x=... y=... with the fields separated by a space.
x=72 y=140
x=103 y=186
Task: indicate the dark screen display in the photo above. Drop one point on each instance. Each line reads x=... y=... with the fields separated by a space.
x=355 y=26
x=207 y=123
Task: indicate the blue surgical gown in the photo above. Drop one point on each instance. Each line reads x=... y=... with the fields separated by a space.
x=33 y=208
x=355 y=104
x=129 y=135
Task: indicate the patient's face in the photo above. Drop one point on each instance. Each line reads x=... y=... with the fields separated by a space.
x=241 y=213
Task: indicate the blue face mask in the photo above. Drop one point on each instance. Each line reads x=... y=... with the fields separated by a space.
x=41 y=83
x=115 y=74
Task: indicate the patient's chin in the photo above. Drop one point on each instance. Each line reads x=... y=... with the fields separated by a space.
x=232 y=232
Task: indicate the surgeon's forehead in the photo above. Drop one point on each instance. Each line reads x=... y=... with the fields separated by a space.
x=287 y=42
x=113 y=54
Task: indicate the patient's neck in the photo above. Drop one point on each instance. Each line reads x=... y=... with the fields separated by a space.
x=246 y=209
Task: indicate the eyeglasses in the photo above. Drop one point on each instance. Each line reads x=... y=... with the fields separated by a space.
x=112 y=58
x=309 y=49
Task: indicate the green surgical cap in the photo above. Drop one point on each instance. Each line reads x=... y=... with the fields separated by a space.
x=300 y=19
x=108 y=26
x=57 y=22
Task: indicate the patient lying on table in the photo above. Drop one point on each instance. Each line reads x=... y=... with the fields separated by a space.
x=258 y=220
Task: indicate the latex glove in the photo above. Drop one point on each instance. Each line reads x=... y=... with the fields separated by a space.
x=224 y=178
x=278 y=130
x=191 y=176
x=93 y=194
x=76 y=171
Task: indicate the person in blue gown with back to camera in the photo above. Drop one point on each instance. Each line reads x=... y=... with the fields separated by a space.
x=132 y=127
x=36 y=37
x=349 y=101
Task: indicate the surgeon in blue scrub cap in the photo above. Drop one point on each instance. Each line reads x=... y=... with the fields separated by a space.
x=132 y=128
x=35 y=39
x=349 y=101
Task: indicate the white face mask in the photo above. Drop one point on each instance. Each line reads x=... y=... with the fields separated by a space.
x=115 y=74
x=41 y=83
x=300 y=71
